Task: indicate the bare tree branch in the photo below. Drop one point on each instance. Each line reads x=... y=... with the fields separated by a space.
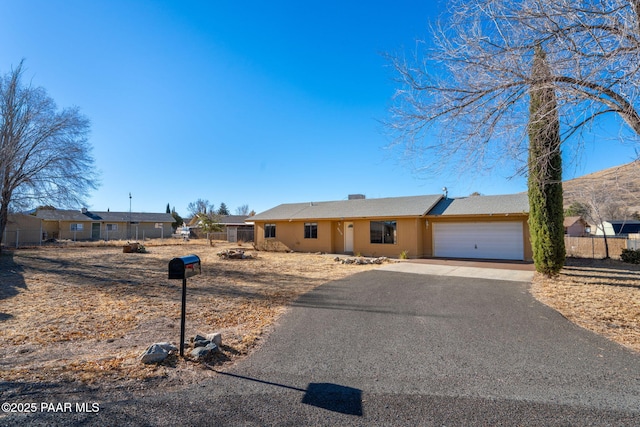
x=463 y=95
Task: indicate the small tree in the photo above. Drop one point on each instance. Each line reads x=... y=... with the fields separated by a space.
x=168 y=208
x=577 y=209
x=209 y=223
x=178 y=221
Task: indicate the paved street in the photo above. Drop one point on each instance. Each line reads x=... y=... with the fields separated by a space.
x=396 y=348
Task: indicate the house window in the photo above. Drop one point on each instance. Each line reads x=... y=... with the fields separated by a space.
x=383 y=232
x=112 y=227
x=77 y=227
x=269 y=231
x=310 y=230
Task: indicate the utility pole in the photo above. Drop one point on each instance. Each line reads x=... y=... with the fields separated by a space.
x=129 y=228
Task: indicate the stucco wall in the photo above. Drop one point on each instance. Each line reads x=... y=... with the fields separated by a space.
x=331 y=237
x=407 y=237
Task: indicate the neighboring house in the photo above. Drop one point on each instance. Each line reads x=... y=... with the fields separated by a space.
x=576 y=226
x=486 y=227
x=97 y=225
x=618 y=228
x=22 y=230
x=237 y=228
x=232 y=228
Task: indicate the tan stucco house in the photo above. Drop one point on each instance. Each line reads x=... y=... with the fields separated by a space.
x=479 y=227
x=97 y=225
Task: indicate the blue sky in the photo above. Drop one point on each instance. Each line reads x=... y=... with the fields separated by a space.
x=253 y=102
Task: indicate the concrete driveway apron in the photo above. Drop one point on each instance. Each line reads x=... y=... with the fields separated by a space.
x=395 y=348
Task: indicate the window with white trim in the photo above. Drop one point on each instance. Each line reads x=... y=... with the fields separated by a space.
x=310 y=230
x=77 y=226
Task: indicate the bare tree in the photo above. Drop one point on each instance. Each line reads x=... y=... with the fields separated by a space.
x=464 y=94
x=242 y=210
x=44 y=153
x=602 y=205
x=200 y=206
x=600 y=201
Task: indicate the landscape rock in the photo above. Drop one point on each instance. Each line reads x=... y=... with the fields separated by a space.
x=361 y=260
x=202 y=352
x=199 y=352
x=157 y=353
x=201 y=343
x=215 y=338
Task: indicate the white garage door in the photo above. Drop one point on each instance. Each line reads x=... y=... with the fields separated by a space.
x=487 y=240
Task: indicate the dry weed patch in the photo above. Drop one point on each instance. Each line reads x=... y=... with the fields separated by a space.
x=600 y=295
x=87 y=313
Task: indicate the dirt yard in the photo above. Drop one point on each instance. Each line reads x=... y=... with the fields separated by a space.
x=600 y=295
x=83 y=315
x=86 y=313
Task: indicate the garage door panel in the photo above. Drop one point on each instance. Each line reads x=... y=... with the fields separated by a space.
x=486 y=240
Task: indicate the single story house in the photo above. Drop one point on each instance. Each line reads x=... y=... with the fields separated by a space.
x=237 y=228
x=98 y=225
x=617 y=228
x=233 y=228
x=576 y=226
x=480 y=227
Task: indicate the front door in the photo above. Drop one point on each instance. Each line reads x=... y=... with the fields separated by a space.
x=95 y=231
x=348 y=237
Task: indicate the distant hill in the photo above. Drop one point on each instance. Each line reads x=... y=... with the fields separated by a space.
x=622 y=182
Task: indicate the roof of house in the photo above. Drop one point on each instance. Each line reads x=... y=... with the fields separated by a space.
x=228 y=220
x=390 y=207
x=82 y=216
x=483 y=205
x=233 y=219
x=570 y=220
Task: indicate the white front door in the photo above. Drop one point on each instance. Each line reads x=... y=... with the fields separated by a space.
x=348 y=237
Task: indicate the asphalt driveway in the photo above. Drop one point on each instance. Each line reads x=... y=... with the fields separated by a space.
x=396 y=348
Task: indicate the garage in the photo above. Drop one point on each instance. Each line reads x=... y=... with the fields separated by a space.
x=479 y=240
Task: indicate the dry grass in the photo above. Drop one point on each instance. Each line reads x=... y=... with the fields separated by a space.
x=86 y=313
x=600 y=295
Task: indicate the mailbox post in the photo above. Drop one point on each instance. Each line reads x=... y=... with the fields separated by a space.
x=181 y=268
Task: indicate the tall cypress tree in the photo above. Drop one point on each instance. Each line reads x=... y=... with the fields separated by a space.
x=545 y=171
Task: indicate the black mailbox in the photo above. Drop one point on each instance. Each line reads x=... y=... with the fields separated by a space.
x=183 y=267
